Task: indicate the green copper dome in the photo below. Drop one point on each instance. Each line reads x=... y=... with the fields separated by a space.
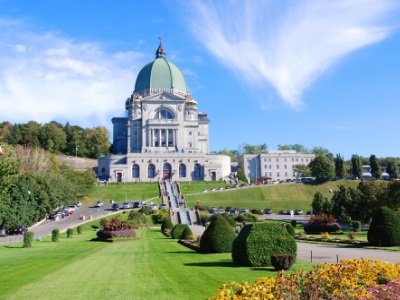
x=160 y=74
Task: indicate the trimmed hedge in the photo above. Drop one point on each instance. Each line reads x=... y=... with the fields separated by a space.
x=290 y=229
x=55 y=234
x=257 y=242
x=109 y=234
x=166 y=225
x=282 y=261
x=70 y=232
x=229 y=218
x=218 y=236
x=385 y=228
x=318 y=228
x=28 y=239
x=178 y=231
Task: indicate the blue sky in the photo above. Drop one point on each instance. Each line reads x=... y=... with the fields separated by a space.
x=316 y=73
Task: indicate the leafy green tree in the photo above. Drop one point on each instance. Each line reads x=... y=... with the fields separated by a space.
x=52 y=137
x=339 y=166
x=341 y=200
x=320 y=204
x=391 y=168
x=391 y=196
x=356 y=166
x=296 y=147
x=5 y=128
x=302 y=170
x=254 y=149
x=241 y=176
x=375 y=167
x=322 y=168
x=322 y=151
x=233 y=154
x=97 y=141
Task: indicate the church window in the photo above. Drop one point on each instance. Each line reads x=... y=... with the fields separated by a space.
x=182 y=170
x=164 y=114
x=135 y=171
x=151 y=171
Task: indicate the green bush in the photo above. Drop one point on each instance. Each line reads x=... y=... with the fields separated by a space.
x=282 y=261
x=246 y=217
x=137 y=218
x=166 y=225
x=356 y=226
x=160 y=216
x=290 y=229
x=55 y=235
x=294 y=223
x=230 y=219
x=28 y=238
x=187 y=234
x=218 y=236
x=70 y=232
x=147 y=210
x=256 y=211
x=178 y=231
x=79 y=229
x=258 y=241
x=385 y=228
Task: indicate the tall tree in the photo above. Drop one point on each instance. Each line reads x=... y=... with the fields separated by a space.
x=322 y=168
x=339 y=166
x=356 y=166
x=296 y=147
x=375 y=167
x=302 y=170
x=391 y=168
x=322 y=151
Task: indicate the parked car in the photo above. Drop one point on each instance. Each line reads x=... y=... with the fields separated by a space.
x=162 y=206
x=221 y=210
x=244 y=210
x=154 y=206
x=99 y=204
x=126 y=205
x=16 y=230
x=213 y=210
x=298 y=212
x=3 y=232
x=137 y=204
x=115 y=206
x=267 y=211
x=284 y=212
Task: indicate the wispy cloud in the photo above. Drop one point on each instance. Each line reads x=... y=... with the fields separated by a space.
x=287 y=44
x=45 y=76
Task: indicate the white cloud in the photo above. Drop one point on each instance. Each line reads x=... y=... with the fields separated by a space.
x=45 y=76
x=287 y=44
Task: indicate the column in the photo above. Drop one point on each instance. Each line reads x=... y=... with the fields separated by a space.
x=159 y=138
x=166 y=137
x=173 y=137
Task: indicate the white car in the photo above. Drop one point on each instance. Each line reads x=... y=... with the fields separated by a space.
x=99 y=204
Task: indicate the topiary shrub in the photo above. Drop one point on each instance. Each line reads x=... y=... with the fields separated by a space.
x=160 y=216
x=79 y=229
x=282 y=261
x=137 y=219
x=294 y=223
x=55 y=234
x=246 y=217
x=257 y=242
x=70 y=232
x=218 y=236
x=385 y=228
x=290 y=229
x=147 y=210
x=28 y=238
x=187 y=234
x=230 y=219
x=166 y=225
x=178 y=230
x=356 y=226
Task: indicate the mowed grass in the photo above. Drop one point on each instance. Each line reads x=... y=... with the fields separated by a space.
x=153 y=267
x=276 y=197
x=122 y=191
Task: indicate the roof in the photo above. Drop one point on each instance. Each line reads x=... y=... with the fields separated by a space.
x=160 y=74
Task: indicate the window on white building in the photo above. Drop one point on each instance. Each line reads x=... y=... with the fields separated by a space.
x=277 y=166
x=277 y=174
x=285 y=166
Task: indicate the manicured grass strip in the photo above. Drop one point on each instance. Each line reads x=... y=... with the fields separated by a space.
x=154 y=267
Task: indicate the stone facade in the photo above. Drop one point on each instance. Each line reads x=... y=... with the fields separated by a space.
x=163 y=135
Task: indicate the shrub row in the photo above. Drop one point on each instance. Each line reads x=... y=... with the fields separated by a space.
x=109 y=234
x=318 y=228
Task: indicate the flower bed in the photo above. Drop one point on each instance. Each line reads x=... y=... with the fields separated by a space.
x=350 y=279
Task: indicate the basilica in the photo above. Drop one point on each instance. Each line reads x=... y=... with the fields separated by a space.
x=163 y=134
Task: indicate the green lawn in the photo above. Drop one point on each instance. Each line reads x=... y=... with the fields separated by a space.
x=154 y=267
x=123 y=191
x=276 y=197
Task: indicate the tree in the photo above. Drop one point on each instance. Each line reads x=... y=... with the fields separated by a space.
x=375 y=167
x=356 y=166
x=52 y=137
x=254 y=149
x=339 y=166
x=241 y=176
x=320 y=204
x=341 y=200
x=296 y=147
x=322 y=151
x=302 y=170
x=97 y=141
x=322 y=168
x=391 y=168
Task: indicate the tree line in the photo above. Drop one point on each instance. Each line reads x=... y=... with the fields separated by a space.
x=33 y=183
x=57 y=138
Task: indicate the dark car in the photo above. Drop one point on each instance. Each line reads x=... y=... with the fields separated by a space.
x=267 y=211
x=284 y=212
x=115 y=206
x=298 y=212
x=16 y=230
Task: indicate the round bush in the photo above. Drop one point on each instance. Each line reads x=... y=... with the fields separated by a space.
x=229 y=218
x=290 y=229
x=137 y=218
x=187 y=234
x=257 y=242
x=178 y=230
x=282 y=261
x=147 y=210
x=55 y=234
x=246 y=217
x=28 y=238
x=70 y=232
x=385 y=228
x=218 y=236
x=166 y=225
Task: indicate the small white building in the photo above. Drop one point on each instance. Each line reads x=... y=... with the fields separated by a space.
x=278 y=165
x=163 y=135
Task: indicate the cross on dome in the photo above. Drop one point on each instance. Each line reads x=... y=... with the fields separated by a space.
x=160 y=50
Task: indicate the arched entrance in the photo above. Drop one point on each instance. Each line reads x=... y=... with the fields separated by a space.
x=167 y=171
x=151 y=171
x=197 y=174
x=135 y=171
x=182 y=170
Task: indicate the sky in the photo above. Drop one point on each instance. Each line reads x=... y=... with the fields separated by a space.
x=315 y=73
